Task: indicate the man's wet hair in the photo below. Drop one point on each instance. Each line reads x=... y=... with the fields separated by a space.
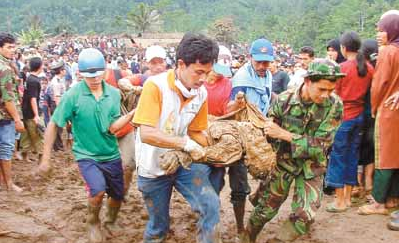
x=6 y=38
x=35 y=63
x=308 y=50
x=197 y=47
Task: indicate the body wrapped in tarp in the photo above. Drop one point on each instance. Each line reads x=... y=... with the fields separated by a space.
x=231 y=137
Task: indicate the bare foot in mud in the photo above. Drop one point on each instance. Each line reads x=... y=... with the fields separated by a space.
x=12 y=188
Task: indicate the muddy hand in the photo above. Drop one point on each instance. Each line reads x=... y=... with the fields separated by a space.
x=273 y=130
x=44 y=170
x=196 y=151
x=169 y=163
x=171 y=167
x=240 y=99
x=185 y=160
x=137 y=90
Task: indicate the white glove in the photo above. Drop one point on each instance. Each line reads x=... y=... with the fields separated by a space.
x=194 y=149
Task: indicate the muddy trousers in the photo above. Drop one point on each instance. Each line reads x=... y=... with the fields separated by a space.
x=306 y=200
x=195 y=187
x=32 y=138
x=58 y=144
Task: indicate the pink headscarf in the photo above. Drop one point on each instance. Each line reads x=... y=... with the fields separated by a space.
x=390 y=24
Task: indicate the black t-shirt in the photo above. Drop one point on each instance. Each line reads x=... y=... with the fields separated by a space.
x=280 y=82
x=32 y=90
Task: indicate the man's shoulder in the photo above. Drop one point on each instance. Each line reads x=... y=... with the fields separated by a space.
x=5 y=70
x=162 y=81
x=4 y=65
x=32 y=79
x=162 y=77
x=112 y=90
x=243 y=77
x=242 y=70
x=283 y=73
x=75 y=90
x=336 y=100
x=203 y=93
x=54 y=80
x=286 y=95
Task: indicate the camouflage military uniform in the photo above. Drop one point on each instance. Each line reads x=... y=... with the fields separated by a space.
x=8 y=88
x=303 y=160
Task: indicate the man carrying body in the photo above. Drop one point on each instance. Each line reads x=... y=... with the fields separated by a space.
x=93 y=107
x=219 y=89
x=254 y=81
x=172 y=114
x=304 y=124
x=10 y=119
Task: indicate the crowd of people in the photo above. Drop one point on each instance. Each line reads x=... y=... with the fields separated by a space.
x=332 y=125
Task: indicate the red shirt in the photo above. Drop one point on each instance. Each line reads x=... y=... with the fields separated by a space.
x=352 y=88
x=218 y=96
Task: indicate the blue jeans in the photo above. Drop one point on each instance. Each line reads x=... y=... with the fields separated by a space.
x=7 y=139
x=195 y=187
x=342 y=167
x=238 y=180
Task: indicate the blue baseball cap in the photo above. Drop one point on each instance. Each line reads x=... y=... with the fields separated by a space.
x=262 y=50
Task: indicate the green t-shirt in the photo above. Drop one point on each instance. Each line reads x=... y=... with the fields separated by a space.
x=91 y=120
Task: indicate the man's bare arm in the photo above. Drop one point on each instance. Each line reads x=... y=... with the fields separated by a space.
x=49 y=138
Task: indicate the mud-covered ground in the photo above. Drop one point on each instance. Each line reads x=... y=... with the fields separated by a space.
x=55 y=211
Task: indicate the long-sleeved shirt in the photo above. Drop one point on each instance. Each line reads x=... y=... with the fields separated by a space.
x=313 y=125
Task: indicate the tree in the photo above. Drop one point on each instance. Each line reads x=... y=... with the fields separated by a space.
x=224 y=30
x=143 y=17
x=35 y=35
x=299 y=23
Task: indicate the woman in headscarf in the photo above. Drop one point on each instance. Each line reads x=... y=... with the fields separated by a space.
x=334 y=51
x=385 y=107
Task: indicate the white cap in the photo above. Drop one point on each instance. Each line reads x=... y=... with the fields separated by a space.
x=155 y=51
x=393 y=11
x=223 y=64
x=224 y=52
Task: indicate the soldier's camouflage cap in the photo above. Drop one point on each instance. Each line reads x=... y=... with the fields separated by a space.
x=322 y=68
x=56 y=65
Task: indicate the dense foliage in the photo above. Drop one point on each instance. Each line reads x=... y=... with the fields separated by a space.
x=300 y=22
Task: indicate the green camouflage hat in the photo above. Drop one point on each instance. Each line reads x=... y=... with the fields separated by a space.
x=322 y=68
x=56 y=64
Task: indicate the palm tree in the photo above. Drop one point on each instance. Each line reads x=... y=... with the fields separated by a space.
x=33 y=37
x=35 y=34
x=143 y=17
